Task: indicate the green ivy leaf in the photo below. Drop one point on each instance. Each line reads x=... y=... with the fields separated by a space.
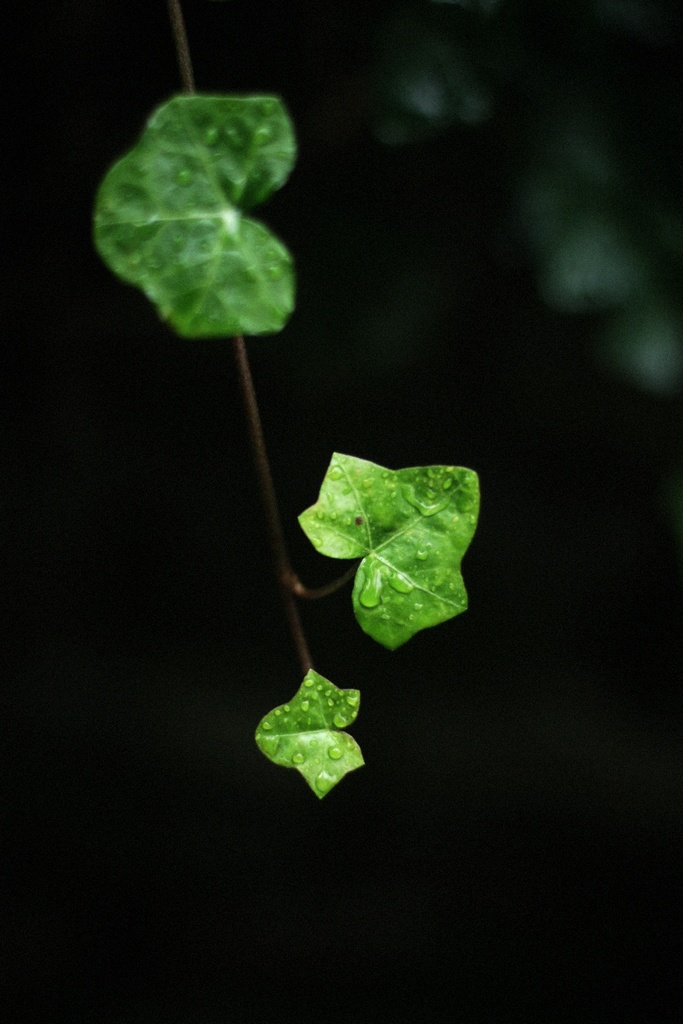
x=169 y=215
x=411 y=527
x=305 y=734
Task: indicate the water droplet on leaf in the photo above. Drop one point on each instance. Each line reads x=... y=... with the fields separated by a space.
x=184 y=177
x=269 y=745
x=336 y=473
x=371 y=593
x=425 y=508
x=298 y=758
x=211 y=135
x=400 y=583
x=335 y=753
x=340 y=720
x=324 y=782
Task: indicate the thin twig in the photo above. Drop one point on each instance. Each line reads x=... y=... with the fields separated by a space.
x=285 y=573
x=175 y=13
x=314 y=593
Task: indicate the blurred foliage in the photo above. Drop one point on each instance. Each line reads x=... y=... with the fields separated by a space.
x=595 y=206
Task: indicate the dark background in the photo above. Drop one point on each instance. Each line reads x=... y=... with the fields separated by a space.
x=487 y=220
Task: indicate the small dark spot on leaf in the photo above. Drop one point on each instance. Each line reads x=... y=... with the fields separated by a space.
x=359 y=520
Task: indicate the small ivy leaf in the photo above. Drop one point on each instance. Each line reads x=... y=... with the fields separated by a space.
x=169 y=215
x=411 y=527
x=305 y=733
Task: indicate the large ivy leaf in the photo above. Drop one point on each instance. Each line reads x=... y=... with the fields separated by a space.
x=169 y=215
x=411 y=527
x=305 y=734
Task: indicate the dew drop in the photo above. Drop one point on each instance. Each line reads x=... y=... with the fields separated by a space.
x=335 y=753
x=287 y=707
x=352 y=698
x=324 y=782
x=262 y=134
x=421 y=554
x=400 y=583
x=298 y=758
x=336 y=473
x=211 y=135
x=269 y=745
x=447 y=483
x=184 y=177
x=319 y=687
x=330 y=702
x=340 y=720
x=371 y=593
x=423 y=507
x=267 y=725
x=305 y=705
x=278 y=711
x=308 y=682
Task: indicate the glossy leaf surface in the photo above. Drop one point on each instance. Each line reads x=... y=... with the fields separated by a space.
x=306 y=733
x=411 y=527
x=169 y=215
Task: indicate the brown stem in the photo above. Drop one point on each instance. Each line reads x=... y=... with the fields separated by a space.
x=285 y=573
x=314 y=593
x=182 y=48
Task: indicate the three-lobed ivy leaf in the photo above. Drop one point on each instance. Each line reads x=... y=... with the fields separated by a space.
x=411 y=527
x=170 y=215
x=306 y=733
